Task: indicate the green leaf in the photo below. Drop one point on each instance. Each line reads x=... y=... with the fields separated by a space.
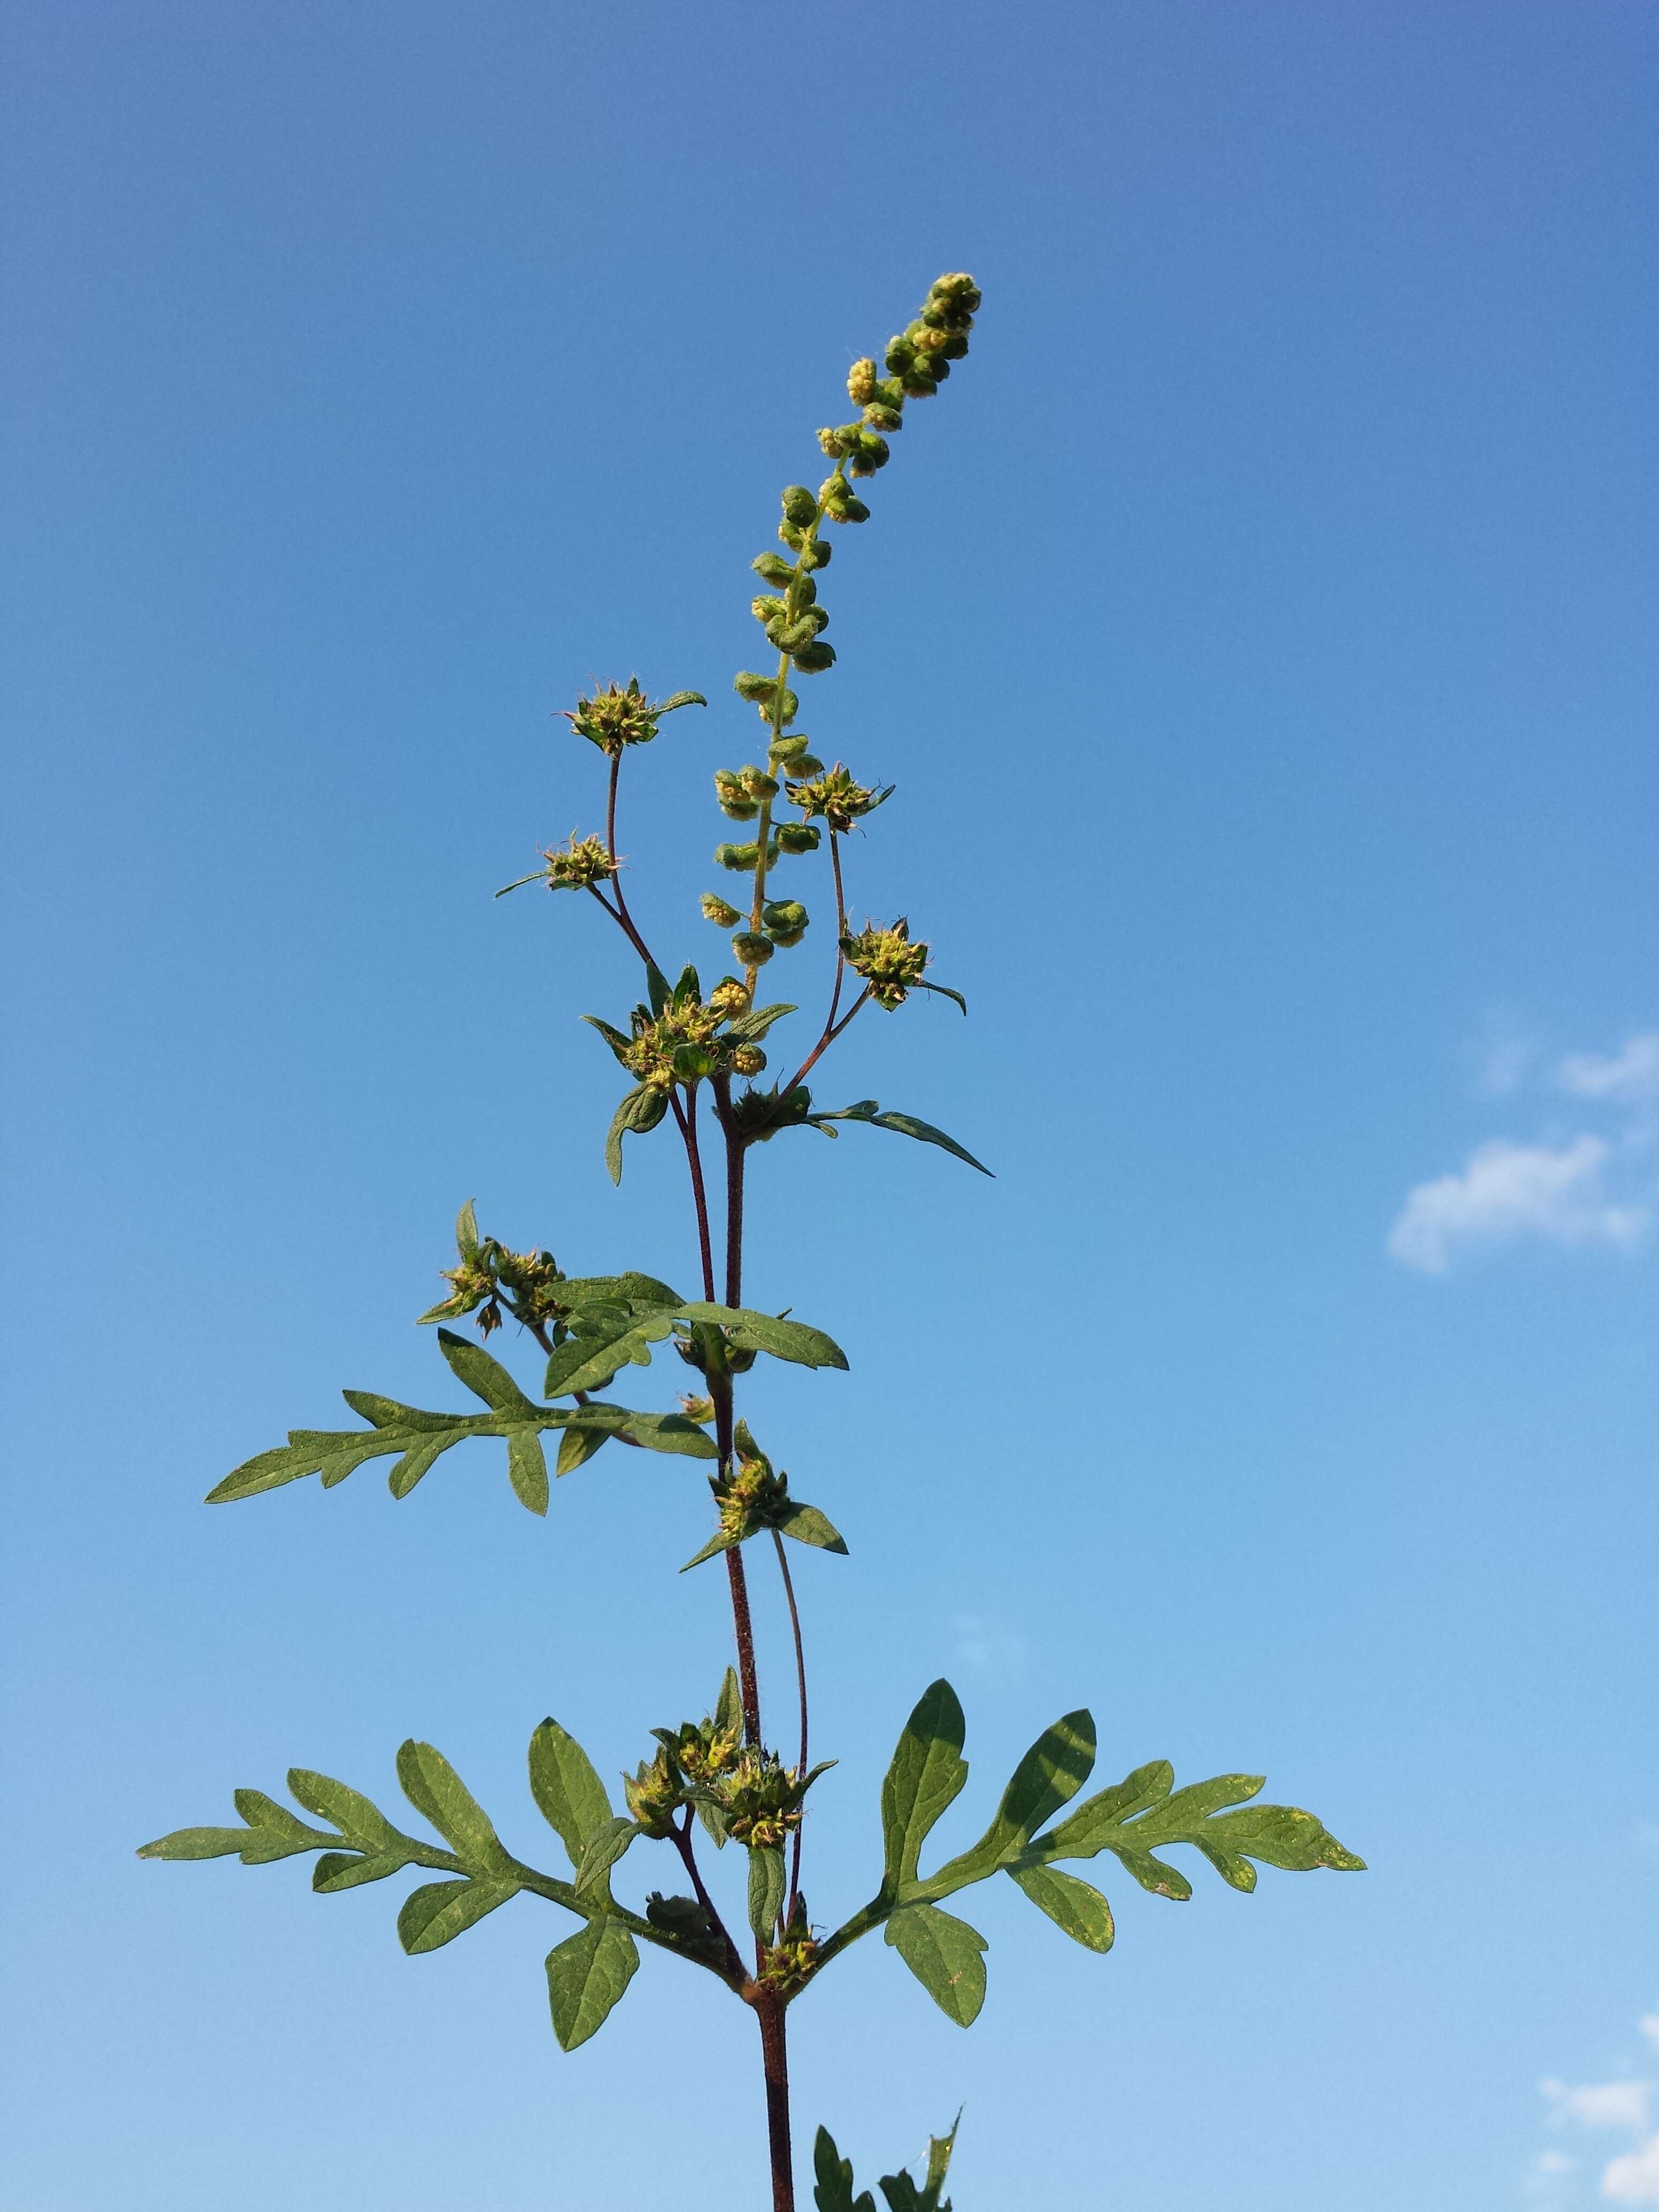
x=526 y=1468
x=940 y=2149
x=905 y=1125
x=585 y=1975
x=765 y=1890
x=808 y=1526
x=942 y=991
x=1083 y=1913
x=680 y=699
x=588 y=1359
x=619 y=1044
x=759 y=1332
x=362 y=1823
x=567 y=1788
x=603 y=1847
x=625 y=1290
x=668 y=1432
x=196 y=1844
x=924 y=1777
x=433 y=1788
x=1051 y=1773
x=418 y=1438
x=728 y=1705
x=576 y=1448
x=438 y=1911
x=1141 y=1815
x=641 y=1109
x=944 y=1954
x=751 y=1027
x=1099 y=1816
x=834 y=2173
x=721 y=1540
x=467 y=1230
x=485 y=1377
x=337 y=1870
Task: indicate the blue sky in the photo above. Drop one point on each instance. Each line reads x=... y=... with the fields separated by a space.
x=1259 y=631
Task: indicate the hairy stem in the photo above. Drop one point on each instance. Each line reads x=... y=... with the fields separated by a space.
x=775 y=2058
x=684 y=1846
x=831 y=1032
x=840 y=932
x=800 y=1683
x=719 y=1389
x=686 y=1116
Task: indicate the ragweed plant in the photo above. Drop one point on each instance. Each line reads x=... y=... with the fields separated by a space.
x=695 y=1059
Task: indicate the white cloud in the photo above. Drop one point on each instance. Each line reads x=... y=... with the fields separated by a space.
x=1507 y=1191
x=988 y=1649
x=1602 y=2105
x=1632 y=1073
x=1634 y=2178
x=1648 y=2024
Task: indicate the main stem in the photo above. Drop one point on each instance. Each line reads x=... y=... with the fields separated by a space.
x=775 y=2058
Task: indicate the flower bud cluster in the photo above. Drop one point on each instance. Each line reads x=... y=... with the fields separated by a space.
x=490 y=1275
x=762 y=1799
x=684 y=1043
x=889 y=963
x=621 y=715
x=750 y=1496
x=790 y=1961
x=577 y=864
x=835 y=797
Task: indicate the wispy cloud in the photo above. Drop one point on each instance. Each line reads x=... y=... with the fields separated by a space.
x=988 y=1650
x=1604 y=2105
x=1634 y=2178
x=1631 y=1073
x=1505 y=1191
x=1576 y=1188
x=1626 y=2105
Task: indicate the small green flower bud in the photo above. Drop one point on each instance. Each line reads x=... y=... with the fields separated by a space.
x=798 y=837
x=901 y=356
x=700 y=1410
x=716 y=911
x=758 y=784
x=956 y=348
x=880 y=416
x=735 y=801
x=812 y=659
x=852 y=510
x=729 y=998
x=766 y=608
x=806 y=591
x=773 y=567
x=748 y=1060
x=751 y=949
x=785 y=920
x=815 y=553
x=874 y=453
x=800 y=506
x=832 y=443
x=784 y=752
x=958 y=290
x=742 y=859
x=749 y=683
x=860 y=381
